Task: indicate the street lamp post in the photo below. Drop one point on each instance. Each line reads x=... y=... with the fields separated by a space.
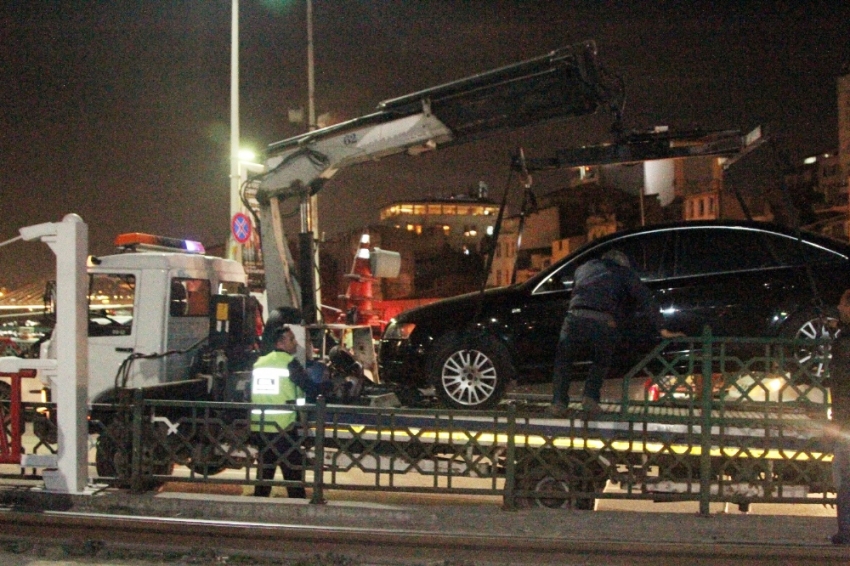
x=233 y=249
x=310 y=211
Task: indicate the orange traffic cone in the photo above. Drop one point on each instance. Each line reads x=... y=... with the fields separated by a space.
x=358 y=298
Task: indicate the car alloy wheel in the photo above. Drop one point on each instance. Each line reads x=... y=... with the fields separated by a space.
x=470 y=372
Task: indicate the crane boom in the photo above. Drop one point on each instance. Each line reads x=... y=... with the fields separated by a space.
x=563 y=83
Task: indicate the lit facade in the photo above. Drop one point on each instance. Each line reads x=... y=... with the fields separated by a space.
x=463 y=221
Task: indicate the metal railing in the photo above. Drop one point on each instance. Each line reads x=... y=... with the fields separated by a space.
x=750 y=432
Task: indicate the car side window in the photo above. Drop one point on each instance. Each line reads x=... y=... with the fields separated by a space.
x=719 y=250
x=790 y=251
x=650 y=255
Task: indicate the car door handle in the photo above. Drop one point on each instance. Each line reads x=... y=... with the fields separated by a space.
x=124 y=350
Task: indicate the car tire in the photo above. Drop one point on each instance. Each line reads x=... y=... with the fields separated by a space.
x=470 y=372
x=808 y=325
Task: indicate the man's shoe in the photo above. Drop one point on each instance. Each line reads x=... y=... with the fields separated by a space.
x=840 y=538
x=556 y=411
x=591 y=408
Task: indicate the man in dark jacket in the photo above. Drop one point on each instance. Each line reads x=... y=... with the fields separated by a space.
x=606 y=293
x=840 y=429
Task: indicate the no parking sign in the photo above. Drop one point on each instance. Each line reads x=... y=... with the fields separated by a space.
x=240 y=226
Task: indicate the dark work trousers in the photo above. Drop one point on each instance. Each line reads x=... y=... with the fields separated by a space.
x=583 y=339
x=280 y=450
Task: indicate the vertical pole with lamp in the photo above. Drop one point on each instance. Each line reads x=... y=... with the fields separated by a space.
x=234 y=249
x=308 y=246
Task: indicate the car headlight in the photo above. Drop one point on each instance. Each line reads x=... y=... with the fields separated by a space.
x=398 y=330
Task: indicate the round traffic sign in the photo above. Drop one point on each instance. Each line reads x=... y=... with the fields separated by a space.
x=240 y=225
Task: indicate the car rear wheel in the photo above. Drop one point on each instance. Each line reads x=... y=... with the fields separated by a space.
x=810 y=326
x=471 y=372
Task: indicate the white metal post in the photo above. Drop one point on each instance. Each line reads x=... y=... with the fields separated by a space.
x=69 y=241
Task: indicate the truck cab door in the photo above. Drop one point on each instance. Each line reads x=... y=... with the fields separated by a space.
x=112 y=328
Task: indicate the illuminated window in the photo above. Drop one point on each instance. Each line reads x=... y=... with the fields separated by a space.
x=190 y=297
x=406 y=209
x=419 y=209
x=435 y=209
x=449 y=209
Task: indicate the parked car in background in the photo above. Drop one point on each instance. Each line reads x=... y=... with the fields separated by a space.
x=747 y=279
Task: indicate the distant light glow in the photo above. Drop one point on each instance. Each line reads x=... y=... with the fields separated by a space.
x=810 y=160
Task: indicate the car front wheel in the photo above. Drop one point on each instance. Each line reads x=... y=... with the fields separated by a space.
x=470 y=373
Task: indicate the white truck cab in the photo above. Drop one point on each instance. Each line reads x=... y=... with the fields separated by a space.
x=149 y=309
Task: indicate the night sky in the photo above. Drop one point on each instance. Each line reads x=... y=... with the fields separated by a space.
x=120 y=110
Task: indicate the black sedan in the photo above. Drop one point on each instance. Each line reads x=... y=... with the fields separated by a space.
x=747 y=279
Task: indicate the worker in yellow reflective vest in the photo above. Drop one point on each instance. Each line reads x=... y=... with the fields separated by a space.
x=278 y=378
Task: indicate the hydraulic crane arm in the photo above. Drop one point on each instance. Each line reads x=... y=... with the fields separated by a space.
x=648 y=146
x=561 y=84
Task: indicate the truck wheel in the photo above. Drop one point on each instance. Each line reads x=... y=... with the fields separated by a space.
x=552 y=490
x=206 y=461
x=808 y=326
x=470 y=373
x=113 y=455
x=112 y=452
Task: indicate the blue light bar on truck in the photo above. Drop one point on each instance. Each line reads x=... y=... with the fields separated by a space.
x=140 y=241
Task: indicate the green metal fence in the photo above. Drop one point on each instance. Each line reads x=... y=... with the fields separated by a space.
x=751 y=431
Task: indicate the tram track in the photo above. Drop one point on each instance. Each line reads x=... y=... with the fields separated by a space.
x=260 y=542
